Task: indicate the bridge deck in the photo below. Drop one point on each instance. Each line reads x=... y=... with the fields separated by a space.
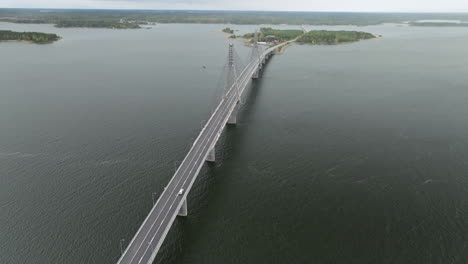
x=150 y=236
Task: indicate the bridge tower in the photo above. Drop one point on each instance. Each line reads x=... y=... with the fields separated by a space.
x=232 y=82
x=255 y=56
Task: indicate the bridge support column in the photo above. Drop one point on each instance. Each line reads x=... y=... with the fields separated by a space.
x=183 y=210
x=258 y=73
x=255 y=75
x=211 y=155
x=233 y=118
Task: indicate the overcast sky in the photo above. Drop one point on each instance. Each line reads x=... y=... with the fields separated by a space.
x=286 y=5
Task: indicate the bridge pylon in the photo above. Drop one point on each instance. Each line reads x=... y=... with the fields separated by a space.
x=232 y=82
x=255 y=56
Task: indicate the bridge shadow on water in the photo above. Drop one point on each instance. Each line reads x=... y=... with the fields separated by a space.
x=203 y=190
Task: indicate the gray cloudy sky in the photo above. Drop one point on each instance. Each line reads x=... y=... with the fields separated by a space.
x=288 y=5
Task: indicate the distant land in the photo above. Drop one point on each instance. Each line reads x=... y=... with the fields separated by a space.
x=96 y=24
x=131 y=19
x=30 y=37
x=438 y=24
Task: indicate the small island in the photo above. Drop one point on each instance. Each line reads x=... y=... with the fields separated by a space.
x=29 y=37
x=228 y=30
x=271 y=37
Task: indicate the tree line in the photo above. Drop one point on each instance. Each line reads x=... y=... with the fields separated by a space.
x=219 y=17
x=333 y=37
x=270 y=34
x=34 y=37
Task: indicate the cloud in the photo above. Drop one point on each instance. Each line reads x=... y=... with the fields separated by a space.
x=289 y=5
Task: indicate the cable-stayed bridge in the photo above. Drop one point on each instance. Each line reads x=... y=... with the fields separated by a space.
x=145 y=245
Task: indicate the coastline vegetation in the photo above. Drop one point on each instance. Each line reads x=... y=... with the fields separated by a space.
x=30 y=37
x=325 y=37
x=97 y=24
x=76 y=23
x=270 y=34
x=316 y=37
x=111 y=18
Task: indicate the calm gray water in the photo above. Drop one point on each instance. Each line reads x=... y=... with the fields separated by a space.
x=343 y=154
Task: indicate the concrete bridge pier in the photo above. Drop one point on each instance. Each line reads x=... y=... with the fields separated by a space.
x=211 y=155
x=258 y=72
x=233 y=118
x=183 y=210
x=256 y=75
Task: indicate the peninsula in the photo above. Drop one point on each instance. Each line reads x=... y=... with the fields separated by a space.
x=30 y=37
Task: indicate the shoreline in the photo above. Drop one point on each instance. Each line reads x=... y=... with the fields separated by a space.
x=224 y=24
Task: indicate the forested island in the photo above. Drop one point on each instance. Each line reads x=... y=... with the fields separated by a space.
x=228 y=30
x=30 y=37
x=77 y=23
x=325 y=37
x=113 y=18
x=270 y=36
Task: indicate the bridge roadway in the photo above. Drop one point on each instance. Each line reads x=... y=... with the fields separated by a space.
x=145 y=244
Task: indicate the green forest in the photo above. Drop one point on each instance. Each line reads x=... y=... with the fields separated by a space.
x=228 y=30
x=311 y=37
x=96 y=24
x=270 y=34
x=333 y=37
x=111 y=18
x=33 y=37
